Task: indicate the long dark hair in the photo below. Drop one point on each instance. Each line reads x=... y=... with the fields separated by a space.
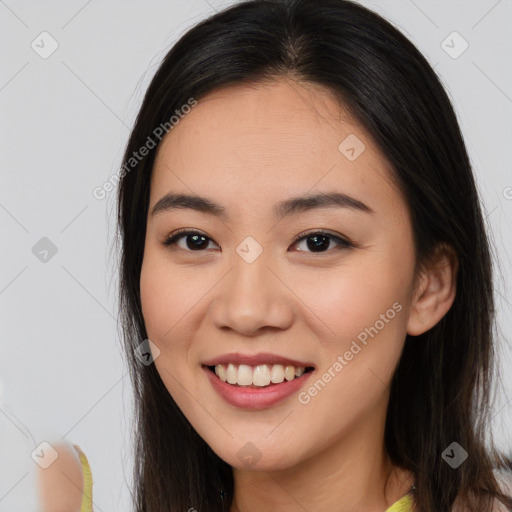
x=441 y=391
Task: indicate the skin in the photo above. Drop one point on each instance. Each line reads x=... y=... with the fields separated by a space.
x=249 y=147
x=60 y=485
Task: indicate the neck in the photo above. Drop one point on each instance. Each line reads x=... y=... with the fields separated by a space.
x=352 y=474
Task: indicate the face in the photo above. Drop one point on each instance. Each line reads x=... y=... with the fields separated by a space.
x=324 y=286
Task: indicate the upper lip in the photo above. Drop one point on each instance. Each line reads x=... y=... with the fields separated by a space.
x=255 y=360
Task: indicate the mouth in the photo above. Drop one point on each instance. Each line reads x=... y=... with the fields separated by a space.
x=256 y=387
x=258 y=376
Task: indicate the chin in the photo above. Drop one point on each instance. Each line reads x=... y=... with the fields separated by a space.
x=258 y=456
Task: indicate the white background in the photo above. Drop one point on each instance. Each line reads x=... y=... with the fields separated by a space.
x=64 y=123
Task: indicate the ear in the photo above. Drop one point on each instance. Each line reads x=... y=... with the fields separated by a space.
x=434 y=292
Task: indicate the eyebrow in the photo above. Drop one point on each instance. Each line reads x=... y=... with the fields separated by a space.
x=282 y=209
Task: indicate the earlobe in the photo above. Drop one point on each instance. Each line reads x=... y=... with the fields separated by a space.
x=435 y=291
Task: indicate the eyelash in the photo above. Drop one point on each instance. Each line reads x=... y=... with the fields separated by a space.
x=171 y=240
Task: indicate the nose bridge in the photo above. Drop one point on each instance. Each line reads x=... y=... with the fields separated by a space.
x=251 y=296
x=250 y=272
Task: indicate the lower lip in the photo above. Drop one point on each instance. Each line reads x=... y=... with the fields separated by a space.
x=256 y=398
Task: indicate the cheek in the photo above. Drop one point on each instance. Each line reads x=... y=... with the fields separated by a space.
x=167 y=295
x=360 y=322
x=173 y=303
x=162 y=308
x=360 y=313
x=351 y=299
x=154 y=297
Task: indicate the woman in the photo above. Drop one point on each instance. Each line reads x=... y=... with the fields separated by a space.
x=306 y=287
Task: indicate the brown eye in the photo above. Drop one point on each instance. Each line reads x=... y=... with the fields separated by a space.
x=320 y=241
x=195 y=241
x=316 y=241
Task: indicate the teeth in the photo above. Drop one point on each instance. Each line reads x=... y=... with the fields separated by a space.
x=232 y=374
x=277 y=373
x=289 y=373
x=221 y=372
x=261 y=375
x=244 y=375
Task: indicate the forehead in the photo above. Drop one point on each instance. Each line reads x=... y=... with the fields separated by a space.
x=257 y=143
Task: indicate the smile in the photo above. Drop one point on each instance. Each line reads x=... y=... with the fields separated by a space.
x=257 y=376
x=249 y=389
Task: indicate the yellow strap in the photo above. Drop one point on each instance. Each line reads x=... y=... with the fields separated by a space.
x=404 y=504
x=87 y=493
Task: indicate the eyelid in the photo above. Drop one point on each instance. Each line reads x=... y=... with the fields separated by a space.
x=172 y=238
x=342 y=241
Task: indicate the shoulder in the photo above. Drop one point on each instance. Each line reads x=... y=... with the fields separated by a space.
x=61 y=483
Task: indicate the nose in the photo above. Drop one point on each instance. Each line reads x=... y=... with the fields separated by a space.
x=252 y=297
